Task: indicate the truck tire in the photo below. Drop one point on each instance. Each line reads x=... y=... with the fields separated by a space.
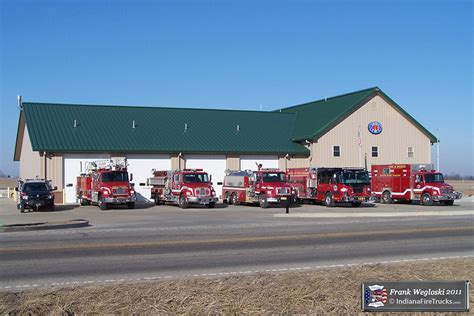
x=262 y=200
x=102 y=204
x=387 y=198
x=211 y=205
x=182 y=203
x=328 y=200
x=426 y=199
x=131 y=205
x=227 y=198
x=157 y=200
x=82 y=202
x=234 y=198
x=22 y=208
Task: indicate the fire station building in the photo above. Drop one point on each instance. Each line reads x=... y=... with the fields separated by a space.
x=357 y=129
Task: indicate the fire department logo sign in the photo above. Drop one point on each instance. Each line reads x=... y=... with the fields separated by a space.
x=375 y=295
x=375 y=127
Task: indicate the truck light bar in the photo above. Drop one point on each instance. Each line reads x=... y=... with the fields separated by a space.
x=193 y=170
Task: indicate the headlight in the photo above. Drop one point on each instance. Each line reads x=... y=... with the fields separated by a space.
x=50 y=196
x=213 y=193
x=132 y=192
x=435 y=192
x=343 y=190
x=335 y=188
x=269 y=192
x=368 y=189
x=25 y=197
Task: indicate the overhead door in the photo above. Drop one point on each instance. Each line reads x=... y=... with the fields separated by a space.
x=250 y=162
x=212 y=164
x=74 y=165
x=139 y=169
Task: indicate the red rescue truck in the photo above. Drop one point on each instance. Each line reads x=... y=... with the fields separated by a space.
x=411 y=182
x=331 y=185
x=182 y=187
x=263 y=187
x=105 y=183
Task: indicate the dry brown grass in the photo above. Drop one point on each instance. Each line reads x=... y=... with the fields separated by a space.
x=330 y=291
x=466 y=187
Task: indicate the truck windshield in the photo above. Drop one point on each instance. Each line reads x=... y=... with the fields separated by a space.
x=274 y=177
x=352 y=177
x=29 y=187
x=434 y=177
x=115 y=176
x=196 y=177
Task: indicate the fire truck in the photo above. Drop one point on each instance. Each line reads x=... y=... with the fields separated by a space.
x=105 y=183
x=411 y=182
x=331 y=185
x=182 y=187
x=264 y=186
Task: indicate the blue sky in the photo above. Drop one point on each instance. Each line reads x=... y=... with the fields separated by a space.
x=240 y=55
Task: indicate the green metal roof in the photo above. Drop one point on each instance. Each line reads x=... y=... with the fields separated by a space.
x=314 y=119
x=110 y=129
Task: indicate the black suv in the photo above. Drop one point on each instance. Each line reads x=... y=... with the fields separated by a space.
x=35 y=194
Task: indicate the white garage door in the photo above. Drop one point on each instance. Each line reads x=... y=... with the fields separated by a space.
x=248 y=162
x=140 y=166
x=212 y=164
x=74 y=165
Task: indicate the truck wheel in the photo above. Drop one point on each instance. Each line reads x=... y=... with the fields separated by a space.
x=102 y=204
x=328 y=200
x=262 y=200
x=235 y=199
x=82 y=202
x=449 y=203
x=22 y=208
x=211 y=205
x=182 y=201
x=387 y=198
x=426 y=199
x=157 y=200
x=227 y=198
x=131 y=205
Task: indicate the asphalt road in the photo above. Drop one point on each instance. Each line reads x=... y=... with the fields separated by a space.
x=166 y=242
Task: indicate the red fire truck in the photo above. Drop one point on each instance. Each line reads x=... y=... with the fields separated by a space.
x=411 y=182
x=105 y=183
x=182 y=187
x=331 y=185
x=263 y=187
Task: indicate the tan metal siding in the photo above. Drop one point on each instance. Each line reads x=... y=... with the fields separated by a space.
x=397 y=135
x=298 y=162
x=177 y=162
x=54 y=170
x=30 y=161
x=233 y=163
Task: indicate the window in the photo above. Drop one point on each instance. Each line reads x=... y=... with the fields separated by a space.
x=336 y=151
x=411 y=152
x=385 y=171
x=375 y=151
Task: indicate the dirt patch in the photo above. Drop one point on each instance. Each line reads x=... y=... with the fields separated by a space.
x=330 y=291
x=466 y=187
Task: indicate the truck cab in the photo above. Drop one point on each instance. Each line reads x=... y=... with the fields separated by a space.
x=433 y=188
x=272 y=186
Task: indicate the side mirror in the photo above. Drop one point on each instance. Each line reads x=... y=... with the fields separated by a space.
x=210 y=183
x=219 y=183
x=16 y=189
x=55 y=188
x=210 y=178
x=131 y=177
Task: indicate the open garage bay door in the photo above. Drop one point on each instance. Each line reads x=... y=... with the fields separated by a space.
x=74 y=165
x=248 y=162
x=140 y=166
x=212 y=164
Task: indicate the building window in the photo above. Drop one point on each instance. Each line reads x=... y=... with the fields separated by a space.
x=375 y=151
x=385 y=171
x=411 y=152
x=336 y=151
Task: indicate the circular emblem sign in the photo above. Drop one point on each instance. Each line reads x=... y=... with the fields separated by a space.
x=375 y=127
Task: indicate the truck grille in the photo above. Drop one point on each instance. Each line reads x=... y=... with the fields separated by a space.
x=358 y=189
x=446 y=191
x=283 y=191
x=202 y=192
x=119 y=190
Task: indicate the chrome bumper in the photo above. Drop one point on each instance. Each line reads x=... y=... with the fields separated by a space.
x=202 y=200
x=120 y=200
x=278 y=198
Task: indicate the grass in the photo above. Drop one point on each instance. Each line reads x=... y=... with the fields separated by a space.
x=328 y=291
